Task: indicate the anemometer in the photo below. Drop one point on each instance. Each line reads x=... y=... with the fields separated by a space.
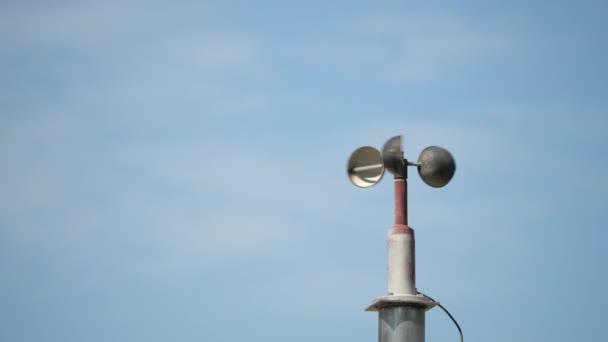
x=402 y=310
x=366 y=165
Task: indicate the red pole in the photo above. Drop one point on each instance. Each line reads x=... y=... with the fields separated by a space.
x=401 y=201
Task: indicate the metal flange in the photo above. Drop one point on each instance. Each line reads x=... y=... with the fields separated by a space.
x=402 y=300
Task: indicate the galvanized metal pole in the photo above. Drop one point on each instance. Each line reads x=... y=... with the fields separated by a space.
x=401 y=324
x=401 y=312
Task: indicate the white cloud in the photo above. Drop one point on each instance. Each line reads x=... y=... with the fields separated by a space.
x=415 y=47
x=203 y=203
x=136 y=58
x=161 y=207
x=322 y=292
x=162 y=189
x=86 y=24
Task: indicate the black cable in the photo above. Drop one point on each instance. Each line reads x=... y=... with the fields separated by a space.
x=448 y=313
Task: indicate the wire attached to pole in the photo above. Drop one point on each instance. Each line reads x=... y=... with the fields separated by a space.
x=448 y=313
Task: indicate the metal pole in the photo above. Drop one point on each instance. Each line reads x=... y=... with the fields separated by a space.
x=400 y=247
x=401 y=324
x=401 y=312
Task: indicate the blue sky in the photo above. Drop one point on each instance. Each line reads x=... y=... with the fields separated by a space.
x=176 y=171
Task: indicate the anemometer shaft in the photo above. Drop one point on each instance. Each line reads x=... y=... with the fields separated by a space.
x=400 y=201
x=401 y=250
x=401 y=322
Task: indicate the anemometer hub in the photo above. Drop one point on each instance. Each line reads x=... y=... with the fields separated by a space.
x=392 y=155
